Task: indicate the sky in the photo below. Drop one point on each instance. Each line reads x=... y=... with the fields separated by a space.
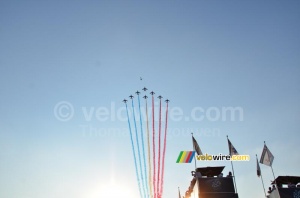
x=66 y=66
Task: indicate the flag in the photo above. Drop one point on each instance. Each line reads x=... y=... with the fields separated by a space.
x=266 y=157
x=258 y=168
x=196 y=147
x=179 y=193
x=232 y=150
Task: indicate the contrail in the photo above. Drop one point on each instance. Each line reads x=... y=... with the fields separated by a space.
x=143 y=146
x=138 y=146
x=159 y=143
x=153 y=147
x=164 y=151
x=149 y=152
x=133 y=151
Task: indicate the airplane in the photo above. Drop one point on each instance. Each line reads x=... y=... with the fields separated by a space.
x=131 y=96
x=160 y=97
x=124 y=100
x=145 y=97
x=152 y=93
x=137 y=92
x=167 y=101
x=141 y=78
x=144 y=89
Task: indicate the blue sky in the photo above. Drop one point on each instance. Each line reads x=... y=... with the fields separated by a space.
x=208 y=54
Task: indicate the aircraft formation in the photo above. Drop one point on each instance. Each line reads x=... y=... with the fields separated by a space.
x=149 y=164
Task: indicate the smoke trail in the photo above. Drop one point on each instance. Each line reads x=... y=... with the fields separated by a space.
x=153 y=148
x=143 y=147
x=149 y=154
x=164 y=153
x=133 y=151
x=159 y=143
x=138 y=145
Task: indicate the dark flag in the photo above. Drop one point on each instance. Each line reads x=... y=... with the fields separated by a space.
x=266 y=157
x=232 y=150
x=196 y=147
x=258 y=168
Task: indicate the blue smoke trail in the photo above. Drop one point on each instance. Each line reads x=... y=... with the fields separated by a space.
x=138 y=145
x=133 y=151
x=143 y=146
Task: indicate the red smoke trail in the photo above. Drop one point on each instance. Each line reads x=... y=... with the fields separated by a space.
x=153 y=148
x=164 y=153
x=159 y=137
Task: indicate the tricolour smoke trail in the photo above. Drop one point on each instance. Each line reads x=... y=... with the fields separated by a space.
x=153 y=148
x=164 y=152
x=159 y=143
x=138 y=146
x=149 y=152
x=133 y=151
x=143 y=147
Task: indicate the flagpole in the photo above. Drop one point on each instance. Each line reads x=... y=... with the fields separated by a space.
x=275 y=181
x=273 y=174
x=194 y=159
x=261 y=178
x=232 y=171
x=233 y=177
x=263 y=184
